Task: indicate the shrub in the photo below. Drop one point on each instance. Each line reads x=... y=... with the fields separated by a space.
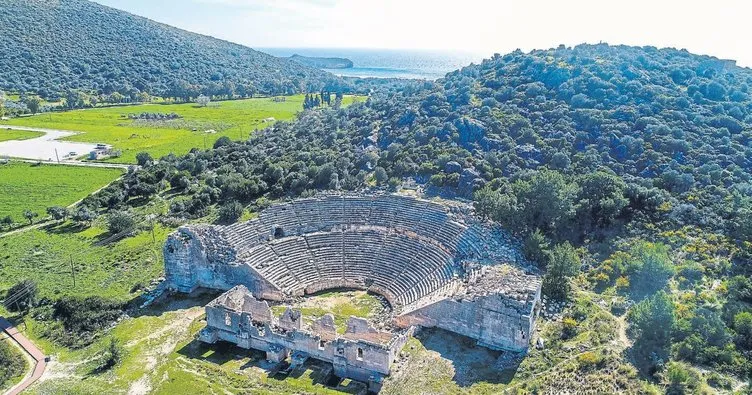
x=120 y=221
x=111 y=356
x=144 y=158
x=230 y=212
x=568 y=328
x=21 y=297
x=590 y=360
x=82 y=319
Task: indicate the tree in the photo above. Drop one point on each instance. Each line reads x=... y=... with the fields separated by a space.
x=22 y=296
x=743 y=328
x=380 y=175
x=230 y=212
x=563 y=264
x=75 y=99
x=84 y=215
x=203 y=100
x=600 y=199
x=30 y=215
x=144 y=159
x=546 y=201
x=58 y=213
x=2 y=103
x=651 y=268
x=33 y=103
x=223 y=141
x=120 y=221
x=536 y=248
x=7 y=221
x=651 y=323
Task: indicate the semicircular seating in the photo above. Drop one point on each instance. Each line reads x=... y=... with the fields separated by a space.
x=400 y=247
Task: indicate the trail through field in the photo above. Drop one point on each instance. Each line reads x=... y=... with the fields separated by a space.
x=162 y=342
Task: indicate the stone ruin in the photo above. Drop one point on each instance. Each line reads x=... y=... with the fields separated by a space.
x=435 y=264
x=362 y=353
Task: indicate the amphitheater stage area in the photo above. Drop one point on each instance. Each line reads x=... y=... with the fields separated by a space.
x=433 y=264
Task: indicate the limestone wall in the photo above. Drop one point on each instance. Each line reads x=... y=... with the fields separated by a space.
x=494 y=321
x=362 y=353
x=192 y=262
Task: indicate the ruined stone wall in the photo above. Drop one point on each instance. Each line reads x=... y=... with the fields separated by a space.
x=494 y=321
x=191 y=262
x=352 y=354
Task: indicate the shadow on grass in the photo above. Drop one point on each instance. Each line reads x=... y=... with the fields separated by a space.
x=168 y=302
x=313 y=373
x=64 y=227
x=472 y=364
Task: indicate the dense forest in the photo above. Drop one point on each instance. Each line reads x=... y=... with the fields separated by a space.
x=52 y=47
x=629 y=167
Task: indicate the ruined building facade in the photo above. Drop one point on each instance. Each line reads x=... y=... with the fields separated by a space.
x=436 y=265
x=362 y=353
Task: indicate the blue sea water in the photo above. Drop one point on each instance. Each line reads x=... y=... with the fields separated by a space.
x=388 y=63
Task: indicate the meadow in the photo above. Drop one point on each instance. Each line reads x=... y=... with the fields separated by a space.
x=6 y=135
x=26 y=186
x=56 y=253
x=236 y=119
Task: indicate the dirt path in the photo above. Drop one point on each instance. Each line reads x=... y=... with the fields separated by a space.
x=35 y=353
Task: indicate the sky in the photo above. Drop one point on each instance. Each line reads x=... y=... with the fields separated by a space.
x=720 y=27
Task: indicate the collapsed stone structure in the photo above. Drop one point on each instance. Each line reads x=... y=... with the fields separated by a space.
x=362 y=353
x=435 y=264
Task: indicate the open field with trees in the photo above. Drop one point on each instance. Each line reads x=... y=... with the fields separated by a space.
x=161 y=129
x=625 y=171
x=32 y=187
x=7 y=135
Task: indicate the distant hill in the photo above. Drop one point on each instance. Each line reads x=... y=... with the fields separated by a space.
x=48 y=47
x=323 y=63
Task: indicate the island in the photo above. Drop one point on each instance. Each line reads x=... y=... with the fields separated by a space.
x=323 y=63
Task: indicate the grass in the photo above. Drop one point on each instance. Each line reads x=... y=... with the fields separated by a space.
x=12 y=374
x=111 y=270
x=28 y=187
x=7 y=135
x=341 y=305
x=236 y=119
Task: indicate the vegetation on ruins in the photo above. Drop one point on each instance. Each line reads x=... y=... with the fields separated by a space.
x=625 y=171
x=557 y=148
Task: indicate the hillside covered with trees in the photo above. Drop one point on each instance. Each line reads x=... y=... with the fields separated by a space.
x=626 y=168
x=52 y=47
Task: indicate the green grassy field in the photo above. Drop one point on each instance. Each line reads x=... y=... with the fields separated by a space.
x=235 y=119
x=105 y=269
x=6 y=135
x=28 y=187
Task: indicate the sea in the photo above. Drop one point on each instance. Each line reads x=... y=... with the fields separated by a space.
x=389 y=63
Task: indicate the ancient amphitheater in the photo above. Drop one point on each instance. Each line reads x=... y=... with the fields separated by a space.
x=435 y=264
